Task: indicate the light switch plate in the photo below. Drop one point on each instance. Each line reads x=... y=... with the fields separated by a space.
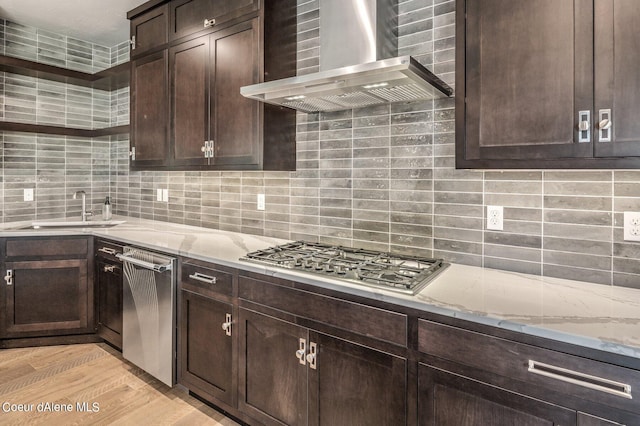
x=260 y=202
x=159 y=194
x=28 y=194
x=165 y=195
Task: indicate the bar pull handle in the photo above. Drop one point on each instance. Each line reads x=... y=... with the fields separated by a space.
x=144 y=264
x=203 y=278
x=581 y=379
x=107 y=250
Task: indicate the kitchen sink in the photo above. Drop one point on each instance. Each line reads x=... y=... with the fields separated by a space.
x=71 y=224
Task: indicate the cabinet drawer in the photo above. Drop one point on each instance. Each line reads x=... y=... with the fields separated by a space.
x=191 y=16
x=36 y=248
x=559 y=372
x=350 y=316
x=108 y=250
x=206 y=278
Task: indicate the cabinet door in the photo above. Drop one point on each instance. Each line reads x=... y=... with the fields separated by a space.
x=189 y=101
x=447 y=399
x=273 y=382
x=617 y=84
x=49 y=297
x=191 y=16
x=355 y=385
x=149 y=30
x=148 y=107
x=523 y=77
x=109 y=288
x=587 y=420
x=234 y=119
x=206 y=350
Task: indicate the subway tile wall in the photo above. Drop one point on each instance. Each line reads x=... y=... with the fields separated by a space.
x=55 y=166
x=384 y=178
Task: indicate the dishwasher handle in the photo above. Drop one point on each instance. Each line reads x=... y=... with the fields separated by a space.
x=144 y=264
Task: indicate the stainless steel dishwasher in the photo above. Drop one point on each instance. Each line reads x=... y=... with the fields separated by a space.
x=149 y=311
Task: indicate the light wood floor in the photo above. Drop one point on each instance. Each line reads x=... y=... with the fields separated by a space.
x=93 y=373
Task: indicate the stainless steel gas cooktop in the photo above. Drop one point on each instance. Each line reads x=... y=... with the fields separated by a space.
x=406 y=274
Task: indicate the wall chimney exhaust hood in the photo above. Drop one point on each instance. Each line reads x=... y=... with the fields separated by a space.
x=359 y=66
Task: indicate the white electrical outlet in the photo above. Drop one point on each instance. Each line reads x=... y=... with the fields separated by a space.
x=260 y=201
x=631 y=226
x=495 y=217
x=165 y=195
x=28 y=194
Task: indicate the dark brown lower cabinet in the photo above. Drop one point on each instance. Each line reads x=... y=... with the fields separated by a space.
x=290 y=375
x=47 y=289
x=108 y=282
x=47 y=297
x=588 y=420
x=448 y=399
x=206 y=356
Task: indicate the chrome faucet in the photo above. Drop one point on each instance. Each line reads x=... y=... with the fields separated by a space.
x=84 y=214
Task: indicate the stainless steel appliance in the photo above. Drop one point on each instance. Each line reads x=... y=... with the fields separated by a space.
x=359 y=64
x=405 y=274
x=148 y=312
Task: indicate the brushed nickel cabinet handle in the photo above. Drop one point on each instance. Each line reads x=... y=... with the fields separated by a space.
x=302 y=351
x=208 y=23
x=107 y=250
x=604 y=125
x=584 y=126
x=203 y=278
x=9 y=277
x=226 y=326
x=581 y=379
x=109 y=268
x=312 y=356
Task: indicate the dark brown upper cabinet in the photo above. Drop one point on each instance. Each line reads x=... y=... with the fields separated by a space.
x=197 y=119
x=533 y=90
x=149 y=30
x=148 y=111
x=192 y=16
x=211 y=123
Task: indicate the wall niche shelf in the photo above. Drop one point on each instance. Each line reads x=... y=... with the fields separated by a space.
x=113 y=78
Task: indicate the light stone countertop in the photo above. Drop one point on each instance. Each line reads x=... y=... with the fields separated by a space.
x=596 y=316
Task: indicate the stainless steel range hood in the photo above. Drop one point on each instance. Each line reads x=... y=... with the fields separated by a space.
x=358 y=67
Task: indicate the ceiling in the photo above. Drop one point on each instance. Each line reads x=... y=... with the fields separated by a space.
x=103 y=22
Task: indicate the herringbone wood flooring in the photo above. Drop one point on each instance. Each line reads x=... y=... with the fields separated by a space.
x=94 y=375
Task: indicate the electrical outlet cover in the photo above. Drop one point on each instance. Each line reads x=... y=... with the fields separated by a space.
x=260 y=202
x=632 y=226
x=495 y=216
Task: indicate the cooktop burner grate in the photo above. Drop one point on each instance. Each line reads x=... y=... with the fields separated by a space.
x=406 y=274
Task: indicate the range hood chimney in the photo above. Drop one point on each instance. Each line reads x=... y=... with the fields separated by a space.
x=358 y=64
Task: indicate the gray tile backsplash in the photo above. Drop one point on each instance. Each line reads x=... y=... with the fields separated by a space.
x=55 y=166
x=379 y=177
